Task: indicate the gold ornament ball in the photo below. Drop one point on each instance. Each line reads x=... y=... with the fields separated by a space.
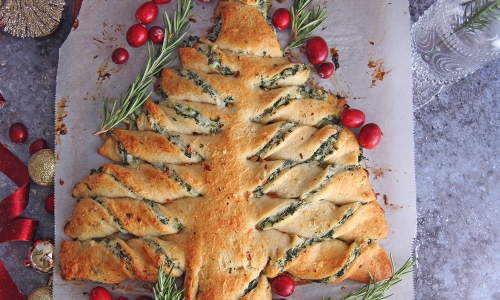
x=41 y=167
x=41 y=293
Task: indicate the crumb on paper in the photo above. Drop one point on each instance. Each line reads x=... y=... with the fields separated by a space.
x=335 y=57
x=60 y=128
x=380 y=172
x=75 y=24
x=379 y=71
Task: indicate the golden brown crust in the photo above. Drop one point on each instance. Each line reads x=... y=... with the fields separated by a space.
x=140 y=181
x=113 y=260
x=100 y=217
x=261 y=179
x=245 y=30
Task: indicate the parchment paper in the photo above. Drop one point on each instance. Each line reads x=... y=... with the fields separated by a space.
x=373 y=42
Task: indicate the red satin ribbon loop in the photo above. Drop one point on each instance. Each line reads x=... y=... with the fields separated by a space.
x=12 y=227
x=13 y=167
x=14 y=204
x=8 y=288
x=20 y=229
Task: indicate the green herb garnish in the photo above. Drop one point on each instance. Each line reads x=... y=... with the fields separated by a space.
x=165 y=288
x=304 y=21
x=478 y=15
x=175 y=29
x=374 y=290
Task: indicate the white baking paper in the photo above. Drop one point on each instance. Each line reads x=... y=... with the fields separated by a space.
x=373 y=42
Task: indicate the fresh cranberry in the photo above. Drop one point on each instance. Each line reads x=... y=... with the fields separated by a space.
x=156 y=34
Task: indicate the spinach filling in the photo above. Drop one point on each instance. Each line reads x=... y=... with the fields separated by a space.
x=205 y=87
x=116 y=221
x=185 y=111
x=287 y=164
x=326 y=148
x=294 y=252
x=251 y=285
x=189 y=152
x=349 y=213
x=155 y=209
x=120 y=253
x=278 y=138
x=135 y=195
x=270 y=221
x=214 y=33
x=180 y=181
x=127 y=157
x=282 y=101
x=352 y=256
x=284 y=74
x=159 y=249
x=302 y=92
x=213 y=56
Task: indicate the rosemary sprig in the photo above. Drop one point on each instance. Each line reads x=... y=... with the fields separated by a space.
x=175 y=29
x=304 y=21
x=374 y=290
x=478 y=14
x=165 y=288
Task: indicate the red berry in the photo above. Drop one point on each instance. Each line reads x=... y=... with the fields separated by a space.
x=161 y=2
x=326 y=69
x=37 y=145
x=369 y=136
x=2 y=100
x=18 y=133
x=121 y=297
x=281 y=18
x=119 y=56
x=316 y=50
x=156 y=34
x=283 y=285
x=100 y=293
x=147 y=12
x=137 y=35
x=144 y=298
x=353 y=118
x=49 y=204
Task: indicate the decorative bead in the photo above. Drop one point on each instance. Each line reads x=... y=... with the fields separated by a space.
x=41 y=293
x=41 y=167
x=49 y=204
x=41 y=256
x=37 y=146
x=18 y=133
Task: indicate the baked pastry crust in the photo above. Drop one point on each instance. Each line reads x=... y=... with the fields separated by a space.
x=249 y=160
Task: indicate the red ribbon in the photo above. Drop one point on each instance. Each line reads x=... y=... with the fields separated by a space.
x=13 y=227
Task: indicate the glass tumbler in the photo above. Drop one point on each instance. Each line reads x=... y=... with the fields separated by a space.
x=444 y=50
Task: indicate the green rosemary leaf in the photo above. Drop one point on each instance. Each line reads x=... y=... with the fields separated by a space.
x=136 y=95
x=165 y=288
x=304 y=22
x=478 y=15
x=374 y=290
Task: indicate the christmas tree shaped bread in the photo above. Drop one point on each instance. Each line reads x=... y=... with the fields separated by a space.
x=240 y=174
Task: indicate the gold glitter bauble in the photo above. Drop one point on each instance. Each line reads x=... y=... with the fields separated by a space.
x=31 y=18
x=41 y=293
x=42 y=167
